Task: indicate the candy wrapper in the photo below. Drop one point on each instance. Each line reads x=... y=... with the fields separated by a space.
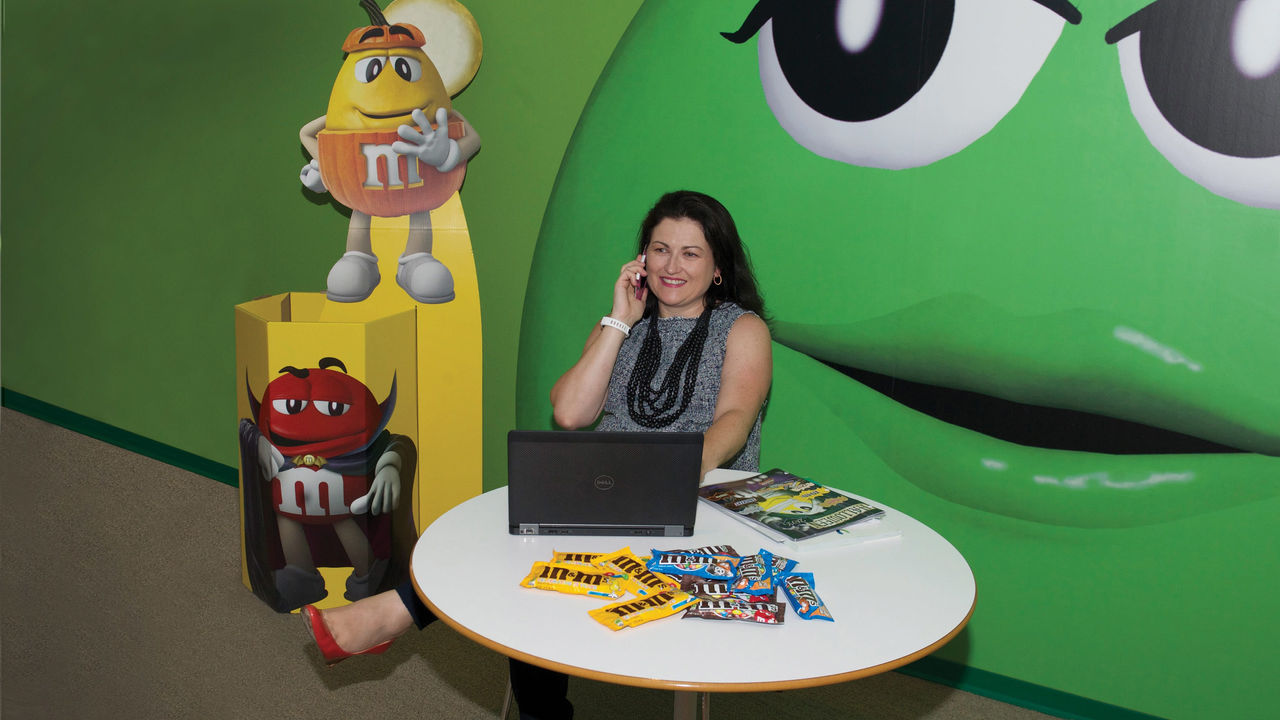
x=574 y=558
x=804 y=600
x=710 y=550
x=641 y=580
x=630 y=613
x=763 y=613
x=779 y=565
x=715 y=567
x=575 y=580
x=755 y=575
x=720 y=588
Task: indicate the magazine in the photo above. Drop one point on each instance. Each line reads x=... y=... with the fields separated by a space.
x=792 y=510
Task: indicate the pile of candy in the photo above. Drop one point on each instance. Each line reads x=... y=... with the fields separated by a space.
x=713 y=583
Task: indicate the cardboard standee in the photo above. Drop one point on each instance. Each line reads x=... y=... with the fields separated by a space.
x=432 y=354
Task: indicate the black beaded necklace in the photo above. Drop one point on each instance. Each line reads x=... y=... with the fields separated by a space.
x=653 y=408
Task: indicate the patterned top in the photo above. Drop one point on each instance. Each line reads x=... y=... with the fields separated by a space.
x=701 y=410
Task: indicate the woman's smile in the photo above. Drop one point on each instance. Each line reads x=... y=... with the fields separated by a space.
x=680 y=267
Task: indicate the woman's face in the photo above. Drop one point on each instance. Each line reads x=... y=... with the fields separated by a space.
x=680 y=267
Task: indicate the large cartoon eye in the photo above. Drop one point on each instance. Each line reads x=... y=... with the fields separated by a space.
x=331 y=407
x=289 y=406
x=1203 y=84
x=406 y=67
x=866 y=81
x=369 y=68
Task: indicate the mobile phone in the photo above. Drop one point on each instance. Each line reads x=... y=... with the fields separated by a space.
x=640 y=285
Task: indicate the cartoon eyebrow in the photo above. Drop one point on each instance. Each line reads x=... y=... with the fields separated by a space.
x=371 y=33
x=1129 y=25
x=328 y=362
x=397 y=30
x=759 y=15
x=294 y=371
x=764 y=11
x=1069 y=12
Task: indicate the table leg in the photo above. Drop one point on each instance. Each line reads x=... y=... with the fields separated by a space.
x=686 y=705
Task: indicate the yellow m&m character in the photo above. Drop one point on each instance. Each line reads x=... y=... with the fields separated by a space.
x=391 y=144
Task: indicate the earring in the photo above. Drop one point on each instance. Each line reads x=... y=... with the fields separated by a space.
x=718 y=280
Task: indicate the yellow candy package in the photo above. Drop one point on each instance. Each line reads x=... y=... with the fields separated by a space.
x=639 y=611
x=642 y=581
x=575 y=580
x=574 y=558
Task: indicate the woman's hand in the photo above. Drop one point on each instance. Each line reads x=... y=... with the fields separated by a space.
x=628 y=305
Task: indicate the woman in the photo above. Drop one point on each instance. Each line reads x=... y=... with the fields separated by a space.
x=684 y=348
x=688 y=350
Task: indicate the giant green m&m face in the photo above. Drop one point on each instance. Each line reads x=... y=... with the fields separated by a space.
x=1021 y=259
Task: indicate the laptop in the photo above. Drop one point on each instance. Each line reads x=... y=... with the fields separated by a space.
x=602 y=483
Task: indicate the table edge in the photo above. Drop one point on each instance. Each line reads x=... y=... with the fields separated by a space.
x=652 y=683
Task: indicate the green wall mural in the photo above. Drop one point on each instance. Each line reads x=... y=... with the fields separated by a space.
x=1049 y=334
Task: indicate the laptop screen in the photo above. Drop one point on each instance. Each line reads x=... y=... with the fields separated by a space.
x=602 y=483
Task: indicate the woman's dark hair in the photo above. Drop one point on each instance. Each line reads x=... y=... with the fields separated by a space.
x=727 y=250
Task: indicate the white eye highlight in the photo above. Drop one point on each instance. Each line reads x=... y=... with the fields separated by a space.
x=1255 y=38
x=856 y=23
x=993 y=51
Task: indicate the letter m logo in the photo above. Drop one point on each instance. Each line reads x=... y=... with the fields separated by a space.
x=385 y=169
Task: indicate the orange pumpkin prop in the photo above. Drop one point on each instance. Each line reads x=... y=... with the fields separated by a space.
x=347 y=157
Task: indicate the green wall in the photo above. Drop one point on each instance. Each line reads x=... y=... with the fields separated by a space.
x=1056 y=273
x=150 y=185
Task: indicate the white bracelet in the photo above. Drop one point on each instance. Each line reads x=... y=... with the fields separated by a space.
x=616 y=323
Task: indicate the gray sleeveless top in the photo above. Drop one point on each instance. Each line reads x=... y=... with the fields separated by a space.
x=697 y=417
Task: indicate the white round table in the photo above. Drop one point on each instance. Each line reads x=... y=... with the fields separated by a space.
x=894 y=600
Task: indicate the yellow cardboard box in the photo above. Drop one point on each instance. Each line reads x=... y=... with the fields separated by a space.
x=432 y=354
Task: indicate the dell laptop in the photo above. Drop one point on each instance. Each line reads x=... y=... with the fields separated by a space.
x=603 y=483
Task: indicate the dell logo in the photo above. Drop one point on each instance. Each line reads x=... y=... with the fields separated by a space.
x=604 y=482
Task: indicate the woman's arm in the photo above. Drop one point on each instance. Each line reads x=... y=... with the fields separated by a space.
x=744 y=384
x=578 y=396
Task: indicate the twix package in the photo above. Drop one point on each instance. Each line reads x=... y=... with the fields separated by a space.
x=575 y=580
x=630 y=613
x=642 y=580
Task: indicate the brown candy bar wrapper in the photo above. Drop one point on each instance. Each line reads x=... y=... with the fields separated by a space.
x=764 y=613
x=695 y=585
x=710 y=550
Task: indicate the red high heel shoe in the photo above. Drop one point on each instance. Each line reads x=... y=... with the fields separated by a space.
x=333 y=654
